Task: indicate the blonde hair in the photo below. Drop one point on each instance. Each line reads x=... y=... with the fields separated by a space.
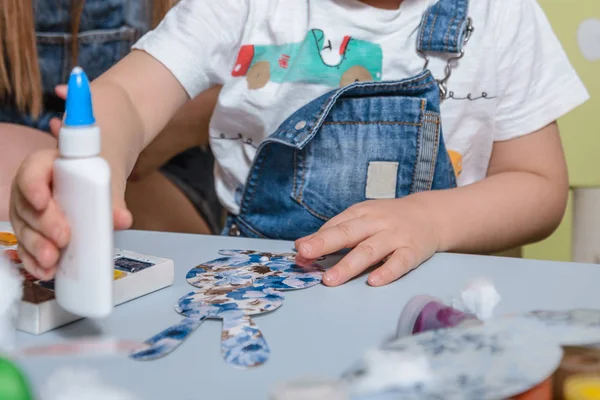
x=20 y=77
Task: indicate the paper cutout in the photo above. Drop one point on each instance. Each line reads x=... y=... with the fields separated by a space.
x=232 y=288
x=234 y=307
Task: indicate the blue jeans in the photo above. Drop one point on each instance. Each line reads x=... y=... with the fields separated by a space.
x=369 y=140
x=108 y=29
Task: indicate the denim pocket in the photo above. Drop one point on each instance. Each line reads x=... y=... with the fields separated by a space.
x=367 y=148
x=98 y=51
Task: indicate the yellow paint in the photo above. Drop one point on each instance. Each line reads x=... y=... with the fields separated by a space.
x=7 y=239
x=119 y=274
x=456 y=159
x=582 y=388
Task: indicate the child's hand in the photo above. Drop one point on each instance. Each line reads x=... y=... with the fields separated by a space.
x=39 y=224
x=399 y=231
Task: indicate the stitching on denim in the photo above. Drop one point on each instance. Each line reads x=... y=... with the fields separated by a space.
x=418 y=150
x=459 y=29
x=433 y=26
x=300 y=197
x=252 y=181
x=313 y=212
x=302 y=176
x=447 y=36
x=318 y=120
x=434 y=158
x=423 y=27
x=295 y=172
x=372 y=123
x=123 y=33
x=250 y=228
x=326 y=109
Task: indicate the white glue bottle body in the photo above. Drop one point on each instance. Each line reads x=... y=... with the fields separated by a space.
x=82 y=189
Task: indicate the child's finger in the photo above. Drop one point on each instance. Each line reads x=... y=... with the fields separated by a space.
x=50 y=223
x=343 y=236
x=399 y=264
x=61 y=91
x=34 y=178
x=32 y=266
x=338 y=219
x=55 y=125
x=122 y=218
x=362 y=257
x=40 y=248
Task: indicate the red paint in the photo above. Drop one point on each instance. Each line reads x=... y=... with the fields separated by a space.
x=244 y=60
x=284 y=61
x=344 y=45
x=13 y=256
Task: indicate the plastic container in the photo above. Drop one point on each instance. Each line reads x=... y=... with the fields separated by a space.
x=82 y=189
x=425 y=313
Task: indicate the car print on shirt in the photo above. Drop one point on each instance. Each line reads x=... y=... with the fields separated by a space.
x=304 y=62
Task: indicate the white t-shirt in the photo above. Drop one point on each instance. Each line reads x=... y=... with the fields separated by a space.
x=513 y=80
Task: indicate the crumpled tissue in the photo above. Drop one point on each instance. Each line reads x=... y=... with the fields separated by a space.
x=479 y=297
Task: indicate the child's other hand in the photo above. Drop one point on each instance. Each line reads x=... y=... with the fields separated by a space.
x=39 y=223
x=399 y=231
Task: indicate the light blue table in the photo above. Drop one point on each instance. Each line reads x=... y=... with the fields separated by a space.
x=319 y=331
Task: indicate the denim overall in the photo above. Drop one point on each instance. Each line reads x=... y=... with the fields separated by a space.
x=108 y=29
x=319 y=161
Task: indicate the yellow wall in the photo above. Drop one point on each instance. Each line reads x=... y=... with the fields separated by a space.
x=580 y=128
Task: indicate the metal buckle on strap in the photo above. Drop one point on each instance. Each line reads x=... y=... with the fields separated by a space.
x=443 y=83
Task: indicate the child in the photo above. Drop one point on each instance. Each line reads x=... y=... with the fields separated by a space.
x=396 y=128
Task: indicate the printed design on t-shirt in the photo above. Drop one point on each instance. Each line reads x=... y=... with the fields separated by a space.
x=315 y=60
x=588 y=38
x=246 y=140
x=456 y=160
x=470 y=96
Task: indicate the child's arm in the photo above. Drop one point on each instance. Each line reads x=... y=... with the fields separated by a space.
x=190 y=51
x=132 y=102
x=522 y=200
x=188 y=128
x=524 y=194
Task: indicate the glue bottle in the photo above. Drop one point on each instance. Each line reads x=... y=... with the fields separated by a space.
x=84 y=277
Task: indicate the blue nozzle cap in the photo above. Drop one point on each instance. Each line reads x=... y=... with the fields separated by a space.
x=79 y=100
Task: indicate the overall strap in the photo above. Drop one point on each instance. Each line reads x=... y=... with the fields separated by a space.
x=445 y=28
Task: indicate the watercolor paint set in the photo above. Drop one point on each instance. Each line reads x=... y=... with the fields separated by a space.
x=135 y=275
